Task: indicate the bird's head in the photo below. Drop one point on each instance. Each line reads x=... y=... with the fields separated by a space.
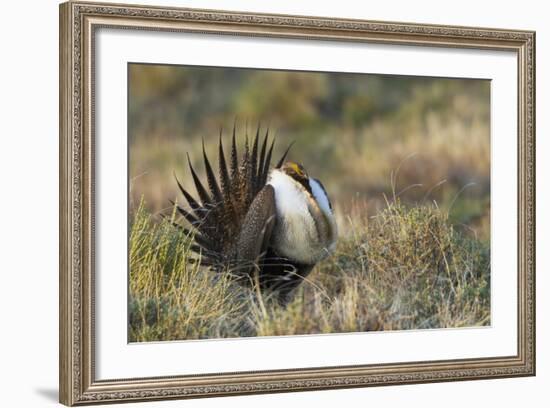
x=297 y=172
x=294 y=170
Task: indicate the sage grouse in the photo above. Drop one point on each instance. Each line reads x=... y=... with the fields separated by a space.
x=265 y=225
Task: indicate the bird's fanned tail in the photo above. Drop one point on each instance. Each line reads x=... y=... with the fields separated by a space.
x=217 y=215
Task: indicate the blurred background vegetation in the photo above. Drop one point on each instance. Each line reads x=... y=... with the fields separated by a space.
x=364 y=136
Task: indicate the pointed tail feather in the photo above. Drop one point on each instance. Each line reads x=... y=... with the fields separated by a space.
x=234 y=158
x=191 y=219
x=224 y=175
x=203 y=194
x=212 y=183
x=261 y=161
x=195 y=206
x=267 y=163
x=254 y=159
x=282 y=159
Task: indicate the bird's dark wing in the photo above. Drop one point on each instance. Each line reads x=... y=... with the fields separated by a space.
x=257 y=227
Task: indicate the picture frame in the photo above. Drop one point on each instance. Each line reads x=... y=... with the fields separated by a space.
x=80 y=23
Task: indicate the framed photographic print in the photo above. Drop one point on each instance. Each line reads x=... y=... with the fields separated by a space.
x=258 y=203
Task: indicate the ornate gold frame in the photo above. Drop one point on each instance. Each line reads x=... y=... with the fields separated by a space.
x=78 y=22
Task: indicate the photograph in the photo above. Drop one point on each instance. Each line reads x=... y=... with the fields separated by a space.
x=268 y=202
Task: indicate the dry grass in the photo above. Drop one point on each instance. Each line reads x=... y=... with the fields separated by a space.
x=406 y=268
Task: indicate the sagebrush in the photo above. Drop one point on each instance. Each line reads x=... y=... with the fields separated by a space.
x=406 y=268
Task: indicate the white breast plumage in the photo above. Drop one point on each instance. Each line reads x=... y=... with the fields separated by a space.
x=305 y=230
